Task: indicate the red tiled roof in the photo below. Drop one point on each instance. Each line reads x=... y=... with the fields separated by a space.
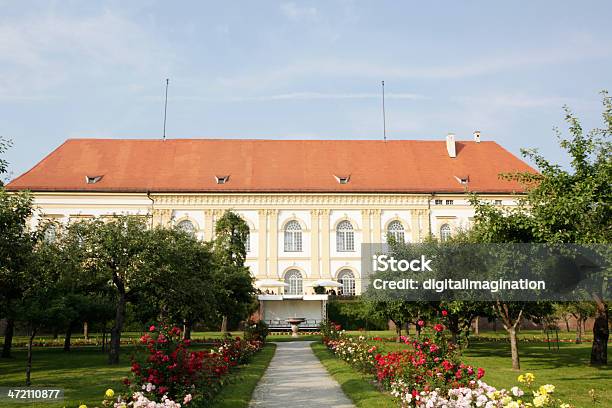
x=190 y=165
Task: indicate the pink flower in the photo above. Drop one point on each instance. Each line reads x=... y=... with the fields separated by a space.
x=444 y=313
x=187 y=399
x=421 y=323
x=152 y=328
x=438 y=327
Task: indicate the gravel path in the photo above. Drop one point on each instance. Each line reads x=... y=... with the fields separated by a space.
x=296 y=378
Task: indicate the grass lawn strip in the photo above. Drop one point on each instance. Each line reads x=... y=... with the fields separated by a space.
x=357 y=387
x=237 y=393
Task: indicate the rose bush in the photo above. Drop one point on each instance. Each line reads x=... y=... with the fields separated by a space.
x=166 y=370
x=428 y=373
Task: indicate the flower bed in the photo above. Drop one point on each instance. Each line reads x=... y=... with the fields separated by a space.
x=167 y=371
x=428 y=373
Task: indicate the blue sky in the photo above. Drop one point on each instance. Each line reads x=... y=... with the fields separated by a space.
x=299 y=69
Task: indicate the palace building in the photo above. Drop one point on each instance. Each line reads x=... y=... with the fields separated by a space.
x=309 y=204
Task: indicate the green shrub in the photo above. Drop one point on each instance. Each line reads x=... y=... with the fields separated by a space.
x=256 y=330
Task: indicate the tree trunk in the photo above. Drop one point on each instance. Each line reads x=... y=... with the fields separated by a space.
x=86 y=330
x=601 y=334
x=477 y=326
x=516 y=364
x=398 y=331
x=28 y=381
x=115 y=340
x=453 y=327
x=68 y=337
x=187 y=330
x=224 y=325
x=8 y=338
x=567 y=328
x=578 y=331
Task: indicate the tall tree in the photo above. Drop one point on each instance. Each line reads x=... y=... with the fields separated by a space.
x=575 y=205
x=118 y=250
x=182 y=286
x=563 y=206
x=236 y=292
x=16 y=248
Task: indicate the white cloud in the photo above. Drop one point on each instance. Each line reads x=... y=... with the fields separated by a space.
x=357 y=68
x=294 y=12
x=39 y=53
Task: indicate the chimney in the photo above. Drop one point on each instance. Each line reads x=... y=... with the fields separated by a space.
x=477 y=136
x=450 y=145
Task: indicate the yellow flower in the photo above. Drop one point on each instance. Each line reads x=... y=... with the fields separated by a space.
x=109 y=393
x=529 y=377
x=521 y=378
x=566 y=406
x=512 y=404
x=82 y=406
x=547 y=389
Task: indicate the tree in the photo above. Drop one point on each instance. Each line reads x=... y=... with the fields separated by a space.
x=574 y=205
x=581 y=311
x=85 y=294
x=235 y=284
x=4 y=145
x=117 y=250
x=41 y=304
x=16 y=248
x=182 y=287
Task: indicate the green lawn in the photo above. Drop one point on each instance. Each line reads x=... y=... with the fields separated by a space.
x=84 y=375
x=357 y=387
x=238 y=393
x=567 y=368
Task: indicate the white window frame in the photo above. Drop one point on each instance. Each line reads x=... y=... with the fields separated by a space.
x=345 y=237
x=293 y=237
x=347 y=278
x=397 y=231
x=445 y=232
x=295 y=280
x=189 y=230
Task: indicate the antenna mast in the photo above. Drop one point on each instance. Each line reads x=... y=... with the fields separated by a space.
x=383 y=112
x=166 y=107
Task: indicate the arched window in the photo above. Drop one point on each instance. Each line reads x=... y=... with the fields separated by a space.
x=347 y=279
x=345 y=237
x=293 y=237
x=50 y=234
x=247 y=242
x=293 y=278
x=445 y=232
x=186 y=226
x=395 y=229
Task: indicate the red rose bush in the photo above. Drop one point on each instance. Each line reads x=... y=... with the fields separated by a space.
x=428 y=373
x=166 y=370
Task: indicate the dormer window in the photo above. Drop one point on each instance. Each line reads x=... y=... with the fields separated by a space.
x=92 y=179
x=343 y=179
x=463 y=179
x=222 y=179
